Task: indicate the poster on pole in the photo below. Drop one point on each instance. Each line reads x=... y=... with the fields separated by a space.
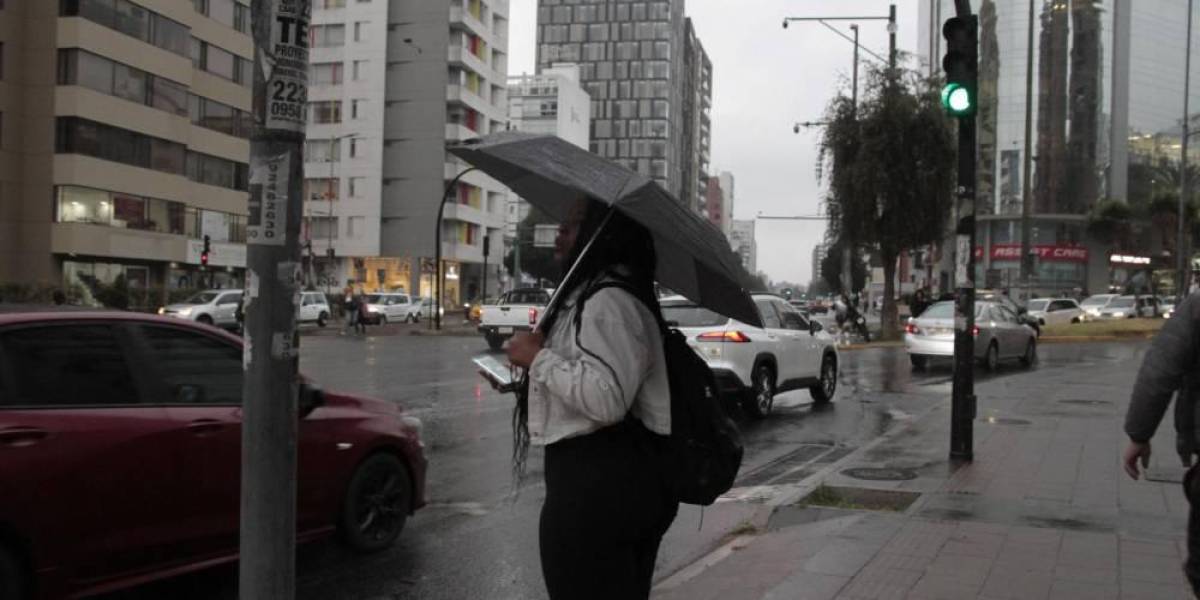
x=267 y=224
x=286 y=64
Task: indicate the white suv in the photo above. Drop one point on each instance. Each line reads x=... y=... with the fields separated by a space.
x=753 y=364
x=211 y=307
x=314 y=308
x=392 y=306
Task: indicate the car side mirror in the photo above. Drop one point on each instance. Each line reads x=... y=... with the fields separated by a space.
x=311 y=396
x=813 y=327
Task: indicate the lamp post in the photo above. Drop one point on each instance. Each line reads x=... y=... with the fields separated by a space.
x=437 y=261
x=1181 y=262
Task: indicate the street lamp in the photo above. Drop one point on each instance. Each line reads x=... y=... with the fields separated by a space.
x=437 y=261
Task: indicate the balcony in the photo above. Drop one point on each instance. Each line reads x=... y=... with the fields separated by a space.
x=459 y=56
x=461 y=95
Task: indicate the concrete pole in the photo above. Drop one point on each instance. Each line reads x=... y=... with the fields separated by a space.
x=848 y=244
x=1026 y=172
x=1181 y=262
x=266 y=567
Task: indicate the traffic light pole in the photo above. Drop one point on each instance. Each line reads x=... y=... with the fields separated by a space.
x=267 y=541
x=962 y=48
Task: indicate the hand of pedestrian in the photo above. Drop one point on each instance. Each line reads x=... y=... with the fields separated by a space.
x=524 y=347
x=1133 y=453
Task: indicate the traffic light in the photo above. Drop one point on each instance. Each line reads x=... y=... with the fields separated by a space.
x=961 y=64
x=204 y=252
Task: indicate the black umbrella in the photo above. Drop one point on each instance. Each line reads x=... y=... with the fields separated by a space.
x=694 y=258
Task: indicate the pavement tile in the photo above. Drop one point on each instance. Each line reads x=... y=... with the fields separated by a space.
x=807 y=586
x=980 y=550
x=1085 y=574
x=841 y=558
x=882 y=584
x=1143 y=590
x=891 y=560
x=943 y=588
x=1160 y=548
x=1076 y=590
x=1018 y=583
x=966 y=568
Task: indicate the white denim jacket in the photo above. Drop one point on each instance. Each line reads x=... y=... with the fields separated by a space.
x=572 y=393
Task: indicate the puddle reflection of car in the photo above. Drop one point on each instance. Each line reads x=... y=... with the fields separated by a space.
x=999 y=335
x=121 y=435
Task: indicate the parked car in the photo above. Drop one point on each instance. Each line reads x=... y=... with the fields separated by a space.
x=1094 y=305
x=754 y=364
x=314 y=308
x=517 y=310
x=1055 y=311
x=425 y=309
x=211 y=307
x=1130 y=307
x=1005 y=300
x=121 y=440
x=393 y=307
x=999 y=335
x=1166 y=306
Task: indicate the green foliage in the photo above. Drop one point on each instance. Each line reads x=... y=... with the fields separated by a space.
x=538 y=262
x=1109 y=222
x=114 y=295
x=831 y=270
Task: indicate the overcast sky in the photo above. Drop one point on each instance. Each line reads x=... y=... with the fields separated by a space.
x=765 y=78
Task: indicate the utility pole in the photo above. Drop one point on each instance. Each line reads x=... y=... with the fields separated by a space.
x=848 y=245
x=517 y=254
x=1026 y=173
x=437 y=252
x=1181 y=262
x=487 y=242
x=959 y=96
x=267 y=547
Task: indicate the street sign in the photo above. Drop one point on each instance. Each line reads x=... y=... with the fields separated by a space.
x=543 y=235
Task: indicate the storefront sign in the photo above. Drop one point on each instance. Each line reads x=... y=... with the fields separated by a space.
x=1125 y=259
x=1045 y=252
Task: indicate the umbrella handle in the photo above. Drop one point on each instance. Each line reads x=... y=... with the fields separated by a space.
x=559 y=292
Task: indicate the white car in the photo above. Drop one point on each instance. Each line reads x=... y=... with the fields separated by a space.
x=999 y=334
x=211 y=307
x=425 y=310
x=1130 y=307
x=1055 y=311
x=753 y=364
x=314 y=308
x=1094 y=305
x=394 y=307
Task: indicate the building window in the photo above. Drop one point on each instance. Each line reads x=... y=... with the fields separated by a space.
x=355 y=226
x=100 y=207
x=81 y=136
x=217 y=116
x=357 y=150
x=326 y=73
x=360 y=31
x=360 y=67
x=355 y=105
x=241 y=18
x=323 y=189
x=213 y=170
x=327 y=36
x=131 y=19
x=327 y=111
x=358 y=186
x=323 y=228
x=322 y=151
x=331 y=3
x=79 y=67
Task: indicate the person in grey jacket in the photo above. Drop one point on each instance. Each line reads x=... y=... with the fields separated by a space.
x=1172 y=365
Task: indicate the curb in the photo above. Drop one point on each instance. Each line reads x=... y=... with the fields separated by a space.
x=1066 y=339
x=444 y=333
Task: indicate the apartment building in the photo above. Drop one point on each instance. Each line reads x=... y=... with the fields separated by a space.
x=124 y=133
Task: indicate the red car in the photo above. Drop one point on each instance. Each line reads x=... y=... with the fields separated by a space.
x=120 y=440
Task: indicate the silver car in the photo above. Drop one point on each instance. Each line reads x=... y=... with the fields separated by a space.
x=999 y=334
x=211 y=307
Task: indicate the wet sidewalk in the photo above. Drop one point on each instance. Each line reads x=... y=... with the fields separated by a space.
x=1044 y=511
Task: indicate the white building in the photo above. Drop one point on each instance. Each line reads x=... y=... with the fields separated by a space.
x=553 y=103
x=741 y=238
x=391 y=85
x=726 y=179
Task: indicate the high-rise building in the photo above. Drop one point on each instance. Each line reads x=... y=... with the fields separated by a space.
x=741 y=239
x=123 y=144
x=696 y=123
x=1107 y=83
x=445 y=80
x=631 y=57
x=552 y=103
x=718 y=204
x=730 y=198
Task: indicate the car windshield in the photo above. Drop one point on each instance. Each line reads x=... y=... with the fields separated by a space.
x=945 y=310
x=1122 y=303
x=689 y=315
x=1038 y=304
x=201 y=298
x=374 y=299
x=1096 y=301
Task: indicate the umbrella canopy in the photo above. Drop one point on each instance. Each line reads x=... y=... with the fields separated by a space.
x=694 y=258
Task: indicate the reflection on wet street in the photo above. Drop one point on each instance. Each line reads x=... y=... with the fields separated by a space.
x=478 y=538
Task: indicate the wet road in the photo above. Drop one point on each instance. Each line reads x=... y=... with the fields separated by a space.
x=477 y=539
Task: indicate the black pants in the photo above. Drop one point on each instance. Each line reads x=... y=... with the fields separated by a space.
x=607 y=508
x=1191 y=489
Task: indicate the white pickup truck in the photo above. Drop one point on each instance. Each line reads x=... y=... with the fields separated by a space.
x=517 y=310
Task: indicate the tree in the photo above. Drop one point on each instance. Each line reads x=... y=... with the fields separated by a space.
x=891 y=170
x=831 y=270
x=538 y=262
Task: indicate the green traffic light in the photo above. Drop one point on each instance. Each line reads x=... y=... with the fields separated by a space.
x=956 y=99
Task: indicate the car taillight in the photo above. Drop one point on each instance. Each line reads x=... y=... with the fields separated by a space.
x=736 y=337
x=910 y=328
x=533 y=316
x=975 y=331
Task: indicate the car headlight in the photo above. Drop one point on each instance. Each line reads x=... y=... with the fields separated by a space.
x=162 y=310
x=416 y=426
x=373 y=309
x=185 y=311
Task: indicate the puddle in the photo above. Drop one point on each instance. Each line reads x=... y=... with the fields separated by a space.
x=852 y=498
x=880 y=473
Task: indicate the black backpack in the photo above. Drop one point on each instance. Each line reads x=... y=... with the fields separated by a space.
x=705 y=445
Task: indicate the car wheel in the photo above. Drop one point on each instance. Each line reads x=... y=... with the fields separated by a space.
x=12 y=575
x=382 y=320
x=494 y=342
x=322 y=319
x=991 y=360
x=1074 y=320
x=207 y=320
x=823 y=392
x=376 y=504
x=762 y=393
x=918 y=362
x=1030 y=355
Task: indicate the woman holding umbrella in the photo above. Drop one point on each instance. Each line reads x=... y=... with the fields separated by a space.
x=599 y=402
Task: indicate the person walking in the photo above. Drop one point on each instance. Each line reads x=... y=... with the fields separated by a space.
x=599 y=402
x=1171 y=367
x=360 y=307
x=350 y=308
